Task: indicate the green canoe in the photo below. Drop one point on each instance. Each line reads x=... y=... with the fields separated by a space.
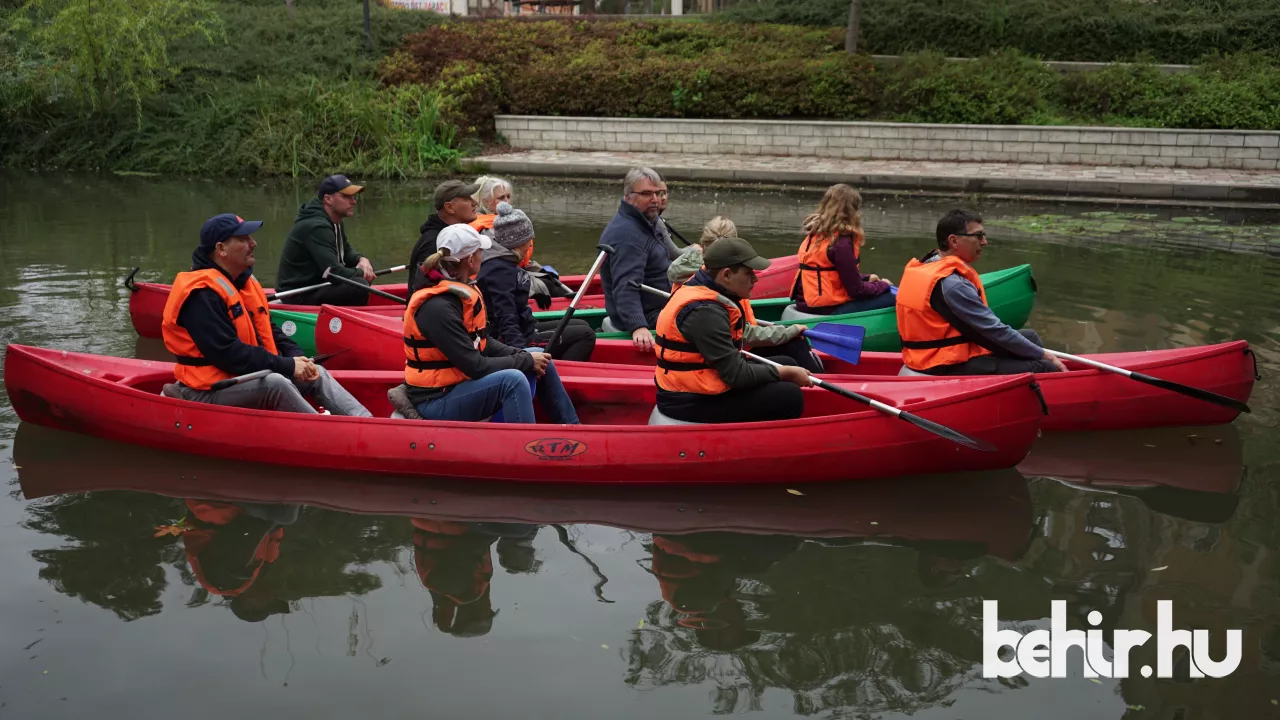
x=300 y=327
x=1011 y=293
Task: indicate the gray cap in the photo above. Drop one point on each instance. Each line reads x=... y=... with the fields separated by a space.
x=452 y=189
x=512 y=227
x=730 y=251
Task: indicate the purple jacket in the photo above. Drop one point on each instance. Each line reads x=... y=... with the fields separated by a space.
x=855 y=283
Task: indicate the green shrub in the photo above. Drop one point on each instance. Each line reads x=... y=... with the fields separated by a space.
x=1170 y=31
x=1004 y=89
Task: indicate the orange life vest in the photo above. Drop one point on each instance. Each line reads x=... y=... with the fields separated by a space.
x=681 y=368
x=247 y=309
x=461 y=563
x=424 y=365
x=817 y=276
x=928 y=340
x=213 y=516
x=482 y=222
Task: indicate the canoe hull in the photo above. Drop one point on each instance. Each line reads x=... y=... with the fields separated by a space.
x=118 y=399
x=1082 y=399
x=990 y=508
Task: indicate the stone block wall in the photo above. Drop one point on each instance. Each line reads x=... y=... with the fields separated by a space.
x=1228 y=149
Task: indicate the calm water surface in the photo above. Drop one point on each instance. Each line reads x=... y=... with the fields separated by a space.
x=392 y=599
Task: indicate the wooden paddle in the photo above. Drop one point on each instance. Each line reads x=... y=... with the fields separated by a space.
x=931 y=426
x=605 y=250
x=258 y=375
x=835 y=339
x=328 y=275
x=1187 y=390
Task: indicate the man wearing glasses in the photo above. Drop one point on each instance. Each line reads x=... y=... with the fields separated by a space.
x=639 y=254
x=943 y=318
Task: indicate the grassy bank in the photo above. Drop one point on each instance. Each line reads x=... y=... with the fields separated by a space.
x=708 y=70
x=271 y=94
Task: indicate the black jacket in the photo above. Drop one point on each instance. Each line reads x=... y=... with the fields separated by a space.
x=639 y=254
x=440 y=321
x=505 y=286
x=204 y=316
x=425 y=246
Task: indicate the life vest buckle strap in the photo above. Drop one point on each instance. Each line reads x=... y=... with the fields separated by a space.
x=673 y=345
x=428 y=364
x=934 y=344
x=192 y=361
x=423 y=344
x=672 y=366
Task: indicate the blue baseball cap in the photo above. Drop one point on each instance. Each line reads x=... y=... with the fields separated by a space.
x=221 y=228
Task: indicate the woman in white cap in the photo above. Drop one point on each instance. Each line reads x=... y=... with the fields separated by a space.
x=453 y=370
x=506 y=287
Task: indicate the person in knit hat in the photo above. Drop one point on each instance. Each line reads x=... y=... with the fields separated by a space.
x=505 y=286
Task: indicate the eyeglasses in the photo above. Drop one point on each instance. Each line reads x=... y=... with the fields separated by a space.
x=650 y=193
x=979 y=235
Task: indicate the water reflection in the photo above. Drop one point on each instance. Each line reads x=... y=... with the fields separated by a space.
x=860 y=598
x=454 y=561
x=844 y=601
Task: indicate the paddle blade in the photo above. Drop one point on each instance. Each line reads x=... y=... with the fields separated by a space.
x=1194 y=392
x=837 y=340
x=946 y=432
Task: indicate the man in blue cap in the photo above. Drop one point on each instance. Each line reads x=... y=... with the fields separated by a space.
x=217 y=324
x=318 y=242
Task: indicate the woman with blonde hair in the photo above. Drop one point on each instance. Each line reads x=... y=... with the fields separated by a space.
x=830 y=281
x=685 y=265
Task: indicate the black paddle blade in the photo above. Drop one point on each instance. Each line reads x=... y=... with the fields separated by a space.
x=1194 y=392
x=946 y=432
x=933 y=427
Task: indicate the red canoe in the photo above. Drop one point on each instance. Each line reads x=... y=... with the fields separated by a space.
x=990 y=508
x=146 y=301
x=118 y=399
x=1082 y=399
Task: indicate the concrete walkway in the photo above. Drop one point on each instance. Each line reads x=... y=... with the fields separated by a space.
x=1189 y=185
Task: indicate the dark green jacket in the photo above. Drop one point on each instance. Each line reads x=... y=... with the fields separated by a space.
x=315 y=242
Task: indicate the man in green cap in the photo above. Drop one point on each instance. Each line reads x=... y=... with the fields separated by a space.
x=702 y=376
x=453 y=205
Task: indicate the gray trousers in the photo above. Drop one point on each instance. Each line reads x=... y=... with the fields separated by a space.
x=277 y=392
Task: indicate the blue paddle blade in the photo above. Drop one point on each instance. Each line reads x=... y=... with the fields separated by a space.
x=838 y=340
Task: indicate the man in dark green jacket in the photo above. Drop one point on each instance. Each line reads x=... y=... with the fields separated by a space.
x=318 y=241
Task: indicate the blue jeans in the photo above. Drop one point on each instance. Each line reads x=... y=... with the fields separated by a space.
x=505 y=390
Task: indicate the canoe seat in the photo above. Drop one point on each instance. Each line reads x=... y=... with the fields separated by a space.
x=908 y=371
x=607 y=325
x=791 y=313
x=657 y=418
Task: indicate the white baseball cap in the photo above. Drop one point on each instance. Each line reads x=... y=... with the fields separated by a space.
x=462 y=240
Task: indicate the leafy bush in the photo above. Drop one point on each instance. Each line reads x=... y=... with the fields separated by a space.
x=1169 y=31
x=1004 y=89
x=709 y=70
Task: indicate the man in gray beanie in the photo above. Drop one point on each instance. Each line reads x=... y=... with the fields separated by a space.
x=505 y=286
